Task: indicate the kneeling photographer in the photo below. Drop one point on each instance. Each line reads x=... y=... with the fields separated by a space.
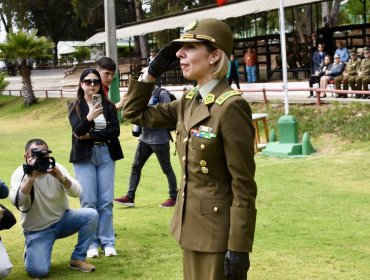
x=39 y=189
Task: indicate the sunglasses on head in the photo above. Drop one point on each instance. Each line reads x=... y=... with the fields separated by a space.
x=89 y=82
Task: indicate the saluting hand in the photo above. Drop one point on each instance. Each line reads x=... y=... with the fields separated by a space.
x=165 y=60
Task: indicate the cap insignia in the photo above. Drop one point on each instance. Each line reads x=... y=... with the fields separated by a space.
x=191 y=26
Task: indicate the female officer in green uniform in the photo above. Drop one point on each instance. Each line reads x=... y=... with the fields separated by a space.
x=215 y=215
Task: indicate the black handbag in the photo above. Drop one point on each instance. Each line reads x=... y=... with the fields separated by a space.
x=8 y=220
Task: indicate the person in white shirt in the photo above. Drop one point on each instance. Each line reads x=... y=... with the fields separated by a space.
x=39 y=190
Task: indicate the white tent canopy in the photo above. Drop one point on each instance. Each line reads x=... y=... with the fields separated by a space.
x=181 y=20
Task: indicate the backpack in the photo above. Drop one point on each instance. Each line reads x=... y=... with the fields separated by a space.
x=156 y=93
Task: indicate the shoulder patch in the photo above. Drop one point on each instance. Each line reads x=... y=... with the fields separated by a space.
x=226 y=95
x=210 y=99
x=191 y=93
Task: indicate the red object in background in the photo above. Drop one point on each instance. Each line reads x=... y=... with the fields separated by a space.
x=221 y=2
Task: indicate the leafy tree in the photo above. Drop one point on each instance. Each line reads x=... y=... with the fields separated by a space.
x=81 y=53
x=3 y=83
x=23 y=46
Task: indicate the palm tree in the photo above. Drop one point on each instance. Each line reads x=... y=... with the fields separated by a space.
x=23 y=46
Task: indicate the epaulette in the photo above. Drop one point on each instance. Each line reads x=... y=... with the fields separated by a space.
x=226 y=95
x=191 y=93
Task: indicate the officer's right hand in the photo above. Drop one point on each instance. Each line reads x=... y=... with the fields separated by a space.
x=165 y=60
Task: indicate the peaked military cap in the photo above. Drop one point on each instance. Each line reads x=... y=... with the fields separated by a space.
x=367 y=49
x=208 y=30
x=353 y=51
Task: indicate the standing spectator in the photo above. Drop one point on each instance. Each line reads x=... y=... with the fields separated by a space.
x=363 y=75
x=233 y=71
x=315 y=78
x=106 y=68
x=7 y=220
x=40 y=193
x=152 y=54
x=342 y=52
x=152 y=140
x=335 y=70
x=250 y=60
x=214 y=217
x=318 y=57
x=95 y=148
x=349 y=74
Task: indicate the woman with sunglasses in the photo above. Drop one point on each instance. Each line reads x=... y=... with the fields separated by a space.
x=95 y=148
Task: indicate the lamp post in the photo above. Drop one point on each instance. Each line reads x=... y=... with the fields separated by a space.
x=111 y=47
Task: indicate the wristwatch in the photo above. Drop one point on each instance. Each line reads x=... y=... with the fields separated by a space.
x=64 y=180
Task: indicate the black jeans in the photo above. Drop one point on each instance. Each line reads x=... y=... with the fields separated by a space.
x=313 y=80
x=143 y=152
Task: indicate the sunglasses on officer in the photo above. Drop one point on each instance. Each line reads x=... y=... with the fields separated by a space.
x=89 y=82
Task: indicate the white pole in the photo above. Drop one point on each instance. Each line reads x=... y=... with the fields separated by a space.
x=110 y=30
x=283 y=56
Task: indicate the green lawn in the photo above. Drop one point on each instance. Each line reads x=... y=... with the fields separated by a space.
x=313 y=217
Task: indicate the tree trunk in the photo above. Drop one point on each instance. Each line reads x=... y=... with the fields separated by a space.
x=330 y=14
x=55 y=54
x=143 y=39
x=303 y=21
x=27 y=90
x=334 y=13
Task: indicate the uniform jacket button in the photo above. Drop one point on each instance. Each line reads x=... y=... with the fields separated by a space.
x=185 y=139
x=202 y=146
x=215 y=209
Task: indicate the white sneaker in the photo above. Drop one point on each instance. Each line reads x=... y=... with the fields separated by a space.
x=109 y=251
x=93 y=253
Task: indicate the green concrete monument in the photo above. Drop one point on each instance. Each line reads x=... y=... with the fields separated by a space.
x=288 y=144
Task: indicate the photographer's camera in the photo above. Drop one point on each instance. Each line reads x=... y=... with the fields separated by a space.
x=42 y=163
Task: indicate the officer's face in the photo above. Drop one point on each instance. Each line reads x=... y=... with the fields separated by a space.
x=196 y=62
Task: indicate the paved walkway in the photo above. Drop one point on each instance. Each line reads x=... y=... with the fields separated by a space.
x=56 y=83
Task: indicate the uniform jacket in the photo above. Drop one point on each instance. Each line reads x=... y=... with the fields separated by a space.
x=82 y=149
x=215 y=208
x=364 y=68
x=352 y=67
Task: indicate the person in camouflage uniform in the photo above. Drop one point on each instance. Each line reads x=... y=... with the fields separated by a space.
x=349 y=74
x=363 y=75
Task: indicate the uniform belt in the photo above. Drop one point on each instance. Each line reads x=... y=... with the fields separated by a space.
x=98 y=144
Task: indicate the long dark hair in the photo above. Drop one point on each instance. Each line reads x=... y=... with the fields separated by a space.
x=80 y=92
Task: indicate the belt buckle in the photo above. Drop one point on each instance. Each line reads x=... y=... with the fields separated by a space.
x=98 y=144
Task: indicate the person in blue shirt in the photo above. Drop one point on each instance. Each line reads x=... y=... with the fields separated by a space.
x=342 y=52
x=152 y=140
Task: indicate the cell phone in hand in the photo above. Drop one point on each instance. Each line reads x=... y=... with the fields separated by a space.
x=96 y=98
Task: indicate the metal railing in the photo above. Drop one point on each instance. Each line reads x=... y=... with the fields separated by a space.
x=71 y=93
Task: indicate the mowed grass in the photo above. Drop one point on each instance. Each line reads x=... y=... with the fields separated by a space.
x=313 y=212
